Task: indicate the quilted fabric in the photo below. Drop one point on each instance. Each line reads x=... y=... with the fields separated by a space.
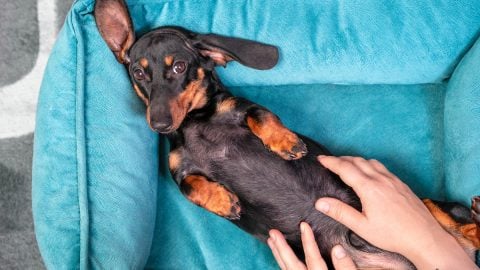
x=102 y=197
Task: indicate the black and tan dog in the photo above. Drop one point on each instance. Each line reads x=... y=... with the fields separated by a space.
x=234 y=157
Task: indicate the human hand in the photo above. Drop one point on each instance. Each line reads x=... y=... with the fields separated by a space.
x=392 y=217
x=287 y=260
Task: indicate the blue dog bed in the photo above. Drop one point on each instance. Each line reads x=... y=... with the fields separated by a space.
x=398 y=81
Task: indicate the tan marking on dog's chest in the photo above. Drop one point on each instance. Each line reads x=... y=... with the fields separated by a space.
x=226 y=105
x=174 y=160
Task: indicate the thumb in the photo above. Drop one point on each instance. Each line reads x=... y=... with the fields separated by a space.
x=340 y=259
x=341 y=212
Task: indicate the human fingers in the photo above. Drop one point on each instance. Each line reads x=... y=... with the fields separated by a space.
x=340 y=259
x=381 y=168
x=365 y=166
x=363 y=175
x=313 y=258
x=390 y=178
x=285 y=252
x=342 y=213
x=275 y=253
x=351 y=174
x=371 y=169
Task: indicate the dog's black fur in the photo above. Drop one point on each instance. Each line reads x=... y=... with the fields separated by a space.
x=273 y=192
x=228 y=154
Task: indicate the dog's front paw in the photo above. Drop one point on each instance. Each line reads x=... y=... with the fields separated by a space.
x=275 y=136
x=287 y=145
x=235 y=208
x=222 y=202
x=211 y=196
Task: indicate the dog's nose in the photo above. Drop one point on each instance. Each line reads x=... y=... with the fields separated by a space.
x=158 y=126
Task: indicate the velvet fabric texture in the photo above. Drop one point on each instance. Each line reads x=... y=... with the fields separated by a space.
x=370 y=78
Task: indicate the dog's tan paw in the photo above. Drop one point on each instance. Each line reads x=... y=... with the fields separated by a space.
x=276 y=137
x=211 y=196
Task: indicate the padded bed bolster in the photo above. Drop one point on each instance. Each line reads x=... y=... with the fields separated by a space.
x=95 y=166
x=55 y=201
x=98 y=198
x=462 y=129
x=353 y=42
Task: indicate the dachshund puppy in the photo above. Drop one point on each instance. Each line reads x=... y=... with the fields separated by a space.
x=233 y=157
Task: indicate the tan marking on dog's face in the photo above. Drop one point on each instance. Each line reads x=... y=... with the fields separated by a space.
x=174 y=160
x=140 y=94
x=226 y=105
x=143 y=62
x=193 y=97
x=168 y=60
x=147 y=115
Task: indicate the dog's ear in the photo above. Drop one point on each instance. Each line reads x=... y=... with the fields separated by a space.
x=224 y=49
x=115 y=26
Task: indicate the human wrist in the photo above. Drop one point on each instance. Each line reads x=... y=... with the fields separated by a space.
x=441 y=251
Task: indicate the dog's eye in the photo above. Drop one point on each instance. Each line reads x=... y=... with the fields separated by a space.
x=138 y=74
x=179 y=67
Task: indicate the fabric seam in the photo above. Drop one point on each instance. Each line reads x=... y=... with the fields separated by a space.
x=80 y=131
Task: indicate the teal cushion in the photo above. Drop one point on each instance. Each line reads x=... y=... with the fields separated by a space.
x=462 y=129
x=400 y=125
x=393 y=123
x=95 y=171
x=102 y=197
x=355 y=42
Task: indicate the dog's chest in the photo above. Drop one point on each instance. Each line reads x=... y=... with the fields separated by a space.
x=211 y=141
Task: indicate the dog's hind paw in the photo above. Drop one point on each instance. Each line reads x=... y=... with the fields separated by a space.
x=234 y=210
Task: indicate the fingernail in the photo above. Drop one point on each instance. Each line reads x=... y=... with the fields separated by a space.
x=339 y=252
x=272 y=236
x=322 y=206
x=320 y=157
x=302 y=227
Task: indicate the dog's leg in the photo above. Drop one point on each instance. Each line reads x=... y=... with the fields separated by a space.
x=476 y=219
x=211 y=196
x=466 y=234
x=270 y=130
x=472 y=231
x=274 y=135
x=200 y=190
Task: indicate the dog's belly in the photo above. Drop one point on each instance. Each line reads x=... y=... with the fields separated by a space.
x=273 y=192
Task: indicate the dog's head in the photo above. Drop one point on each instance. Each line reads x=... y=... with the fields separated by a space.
x=171 y=68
